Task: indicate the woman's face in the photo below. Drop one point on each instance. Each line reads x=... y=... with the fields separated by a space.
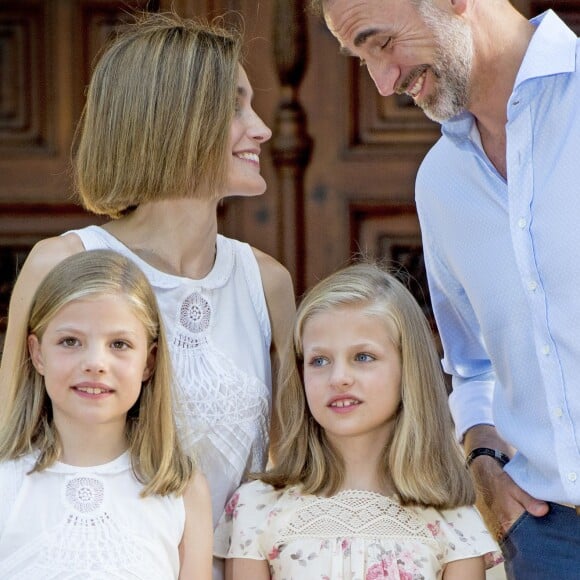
x=247 y=133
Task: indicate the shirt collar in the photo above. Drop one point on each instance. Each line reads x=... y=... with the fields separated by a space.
x=552 y=50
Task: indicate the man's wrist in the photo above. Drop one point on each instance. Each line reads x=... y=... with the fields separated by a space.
x=496 y=454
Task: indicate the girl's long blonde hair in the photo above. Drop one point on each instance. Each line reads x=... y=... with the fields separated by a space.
x=157 y=118
x=26 y=424
x=422 y=459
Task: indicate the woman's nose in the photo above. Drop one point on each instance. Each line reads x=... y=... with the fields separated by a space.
x=259 y=130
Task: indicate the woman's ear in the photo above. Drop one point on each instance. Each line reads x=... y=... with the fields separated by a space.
x=150 y=362
x=35 y=353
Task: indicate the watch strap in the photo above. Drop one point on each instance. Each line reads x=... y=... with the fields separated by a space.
x=498 y=455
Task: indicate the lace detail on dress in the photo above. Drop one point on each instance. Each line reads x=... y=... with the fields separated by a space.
x=194 y=317
x=216 y=403
x=354 y=513
x=195 y=313
x=84 y=494
x=87 y=544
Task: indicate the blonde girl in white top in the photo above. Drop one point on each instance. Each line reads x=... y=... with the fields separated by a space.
x=94 y=482
x=369 y=482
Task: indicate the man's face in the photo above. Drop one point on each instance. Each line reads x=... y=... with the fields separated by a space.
x=422 y=50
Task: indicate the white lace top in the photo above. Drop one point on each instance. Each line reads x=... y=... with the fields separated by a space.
x=85 y=523
x=354 y=535
x=219 y=336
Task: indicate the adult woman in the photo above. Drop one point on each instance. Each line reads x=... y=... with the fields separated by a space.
x=168 y=131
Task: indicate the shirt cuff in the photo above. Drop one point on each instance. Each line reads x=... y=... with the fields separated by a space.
x=471 y=404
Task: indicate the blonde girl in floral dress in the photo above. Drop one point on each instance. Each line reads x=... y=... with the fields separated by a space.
x=369 y=483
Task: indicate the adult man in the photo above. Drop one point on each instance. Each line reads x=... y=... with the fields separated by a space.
x=498 y=198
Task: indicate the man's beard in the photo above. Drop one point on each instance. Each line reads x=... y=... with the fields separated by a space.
x=451 y=66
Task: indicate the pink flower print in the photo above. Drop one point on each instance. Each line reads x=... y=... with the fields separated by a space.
x=273 y=513
x=378 y=571
x=345 y=546
x=274 y=553
x=230 y=509
x=435 y=528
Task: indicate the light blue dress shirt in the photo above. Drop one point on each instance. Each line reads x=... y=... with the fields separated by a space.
x=503 y=264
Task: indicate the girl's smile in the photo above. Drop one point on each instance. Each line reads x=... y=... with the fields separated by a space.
x=94 y=356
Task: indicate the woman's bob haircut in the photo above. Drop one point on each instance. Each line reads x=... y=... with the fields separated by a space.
x=158 y=113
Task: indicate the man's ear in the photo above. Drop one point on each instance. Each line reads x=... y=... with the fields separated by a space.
x=35 y=353
x=150 y=362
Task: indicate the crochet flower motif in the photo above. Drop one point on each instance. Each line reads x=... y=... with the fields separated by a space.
x=85 y=494
x=195 y=313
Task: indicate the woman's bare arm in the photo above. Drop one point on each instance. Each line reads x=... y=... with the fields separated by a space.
x=279 y=292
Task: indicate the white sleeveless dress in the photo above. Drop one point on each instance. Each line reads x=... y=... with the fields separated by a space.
x=85 y=523
x=219 y=336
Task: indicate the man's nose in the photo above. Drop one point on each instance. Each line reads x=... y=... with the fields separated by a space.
x=385 y=77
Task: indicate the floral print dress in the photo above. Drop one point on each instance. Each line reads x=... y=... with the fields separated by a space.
x=354 y=535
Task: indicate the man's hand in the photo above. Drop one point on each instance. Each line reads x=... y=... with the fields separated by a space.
x=499 y=499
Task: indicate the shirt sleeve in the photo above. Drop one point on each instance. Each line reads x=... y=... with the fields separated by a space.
x=242 y=525
x=465 y=356
x=462 y=534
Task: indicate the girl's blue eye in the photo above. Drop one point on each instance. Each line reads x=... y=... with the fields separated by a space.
x=364 y=357
x=318 y=361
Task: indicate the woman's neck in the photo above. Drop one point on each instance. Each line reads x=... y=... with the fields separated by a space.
x=175 y=236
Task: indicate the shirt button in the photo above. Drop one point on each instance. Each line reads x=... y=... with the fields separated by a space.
x=546 y=349
x=532 y=285
x=572 y=476
x=522 y=223
x=516 y=102
x=558 y=412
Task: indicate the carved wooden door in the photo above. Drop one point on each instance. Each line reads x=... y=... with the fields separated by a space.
x=357 y=190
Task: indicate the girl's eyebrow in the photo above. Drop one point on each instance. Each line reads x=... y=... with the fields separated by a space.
x=112 y=332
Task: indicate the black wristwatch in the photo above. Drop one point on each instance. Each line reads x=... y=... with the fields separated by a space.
x=498 y=455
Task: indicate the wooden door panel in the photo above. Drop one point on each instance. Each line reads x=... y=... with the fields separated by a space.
x=358 y=189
